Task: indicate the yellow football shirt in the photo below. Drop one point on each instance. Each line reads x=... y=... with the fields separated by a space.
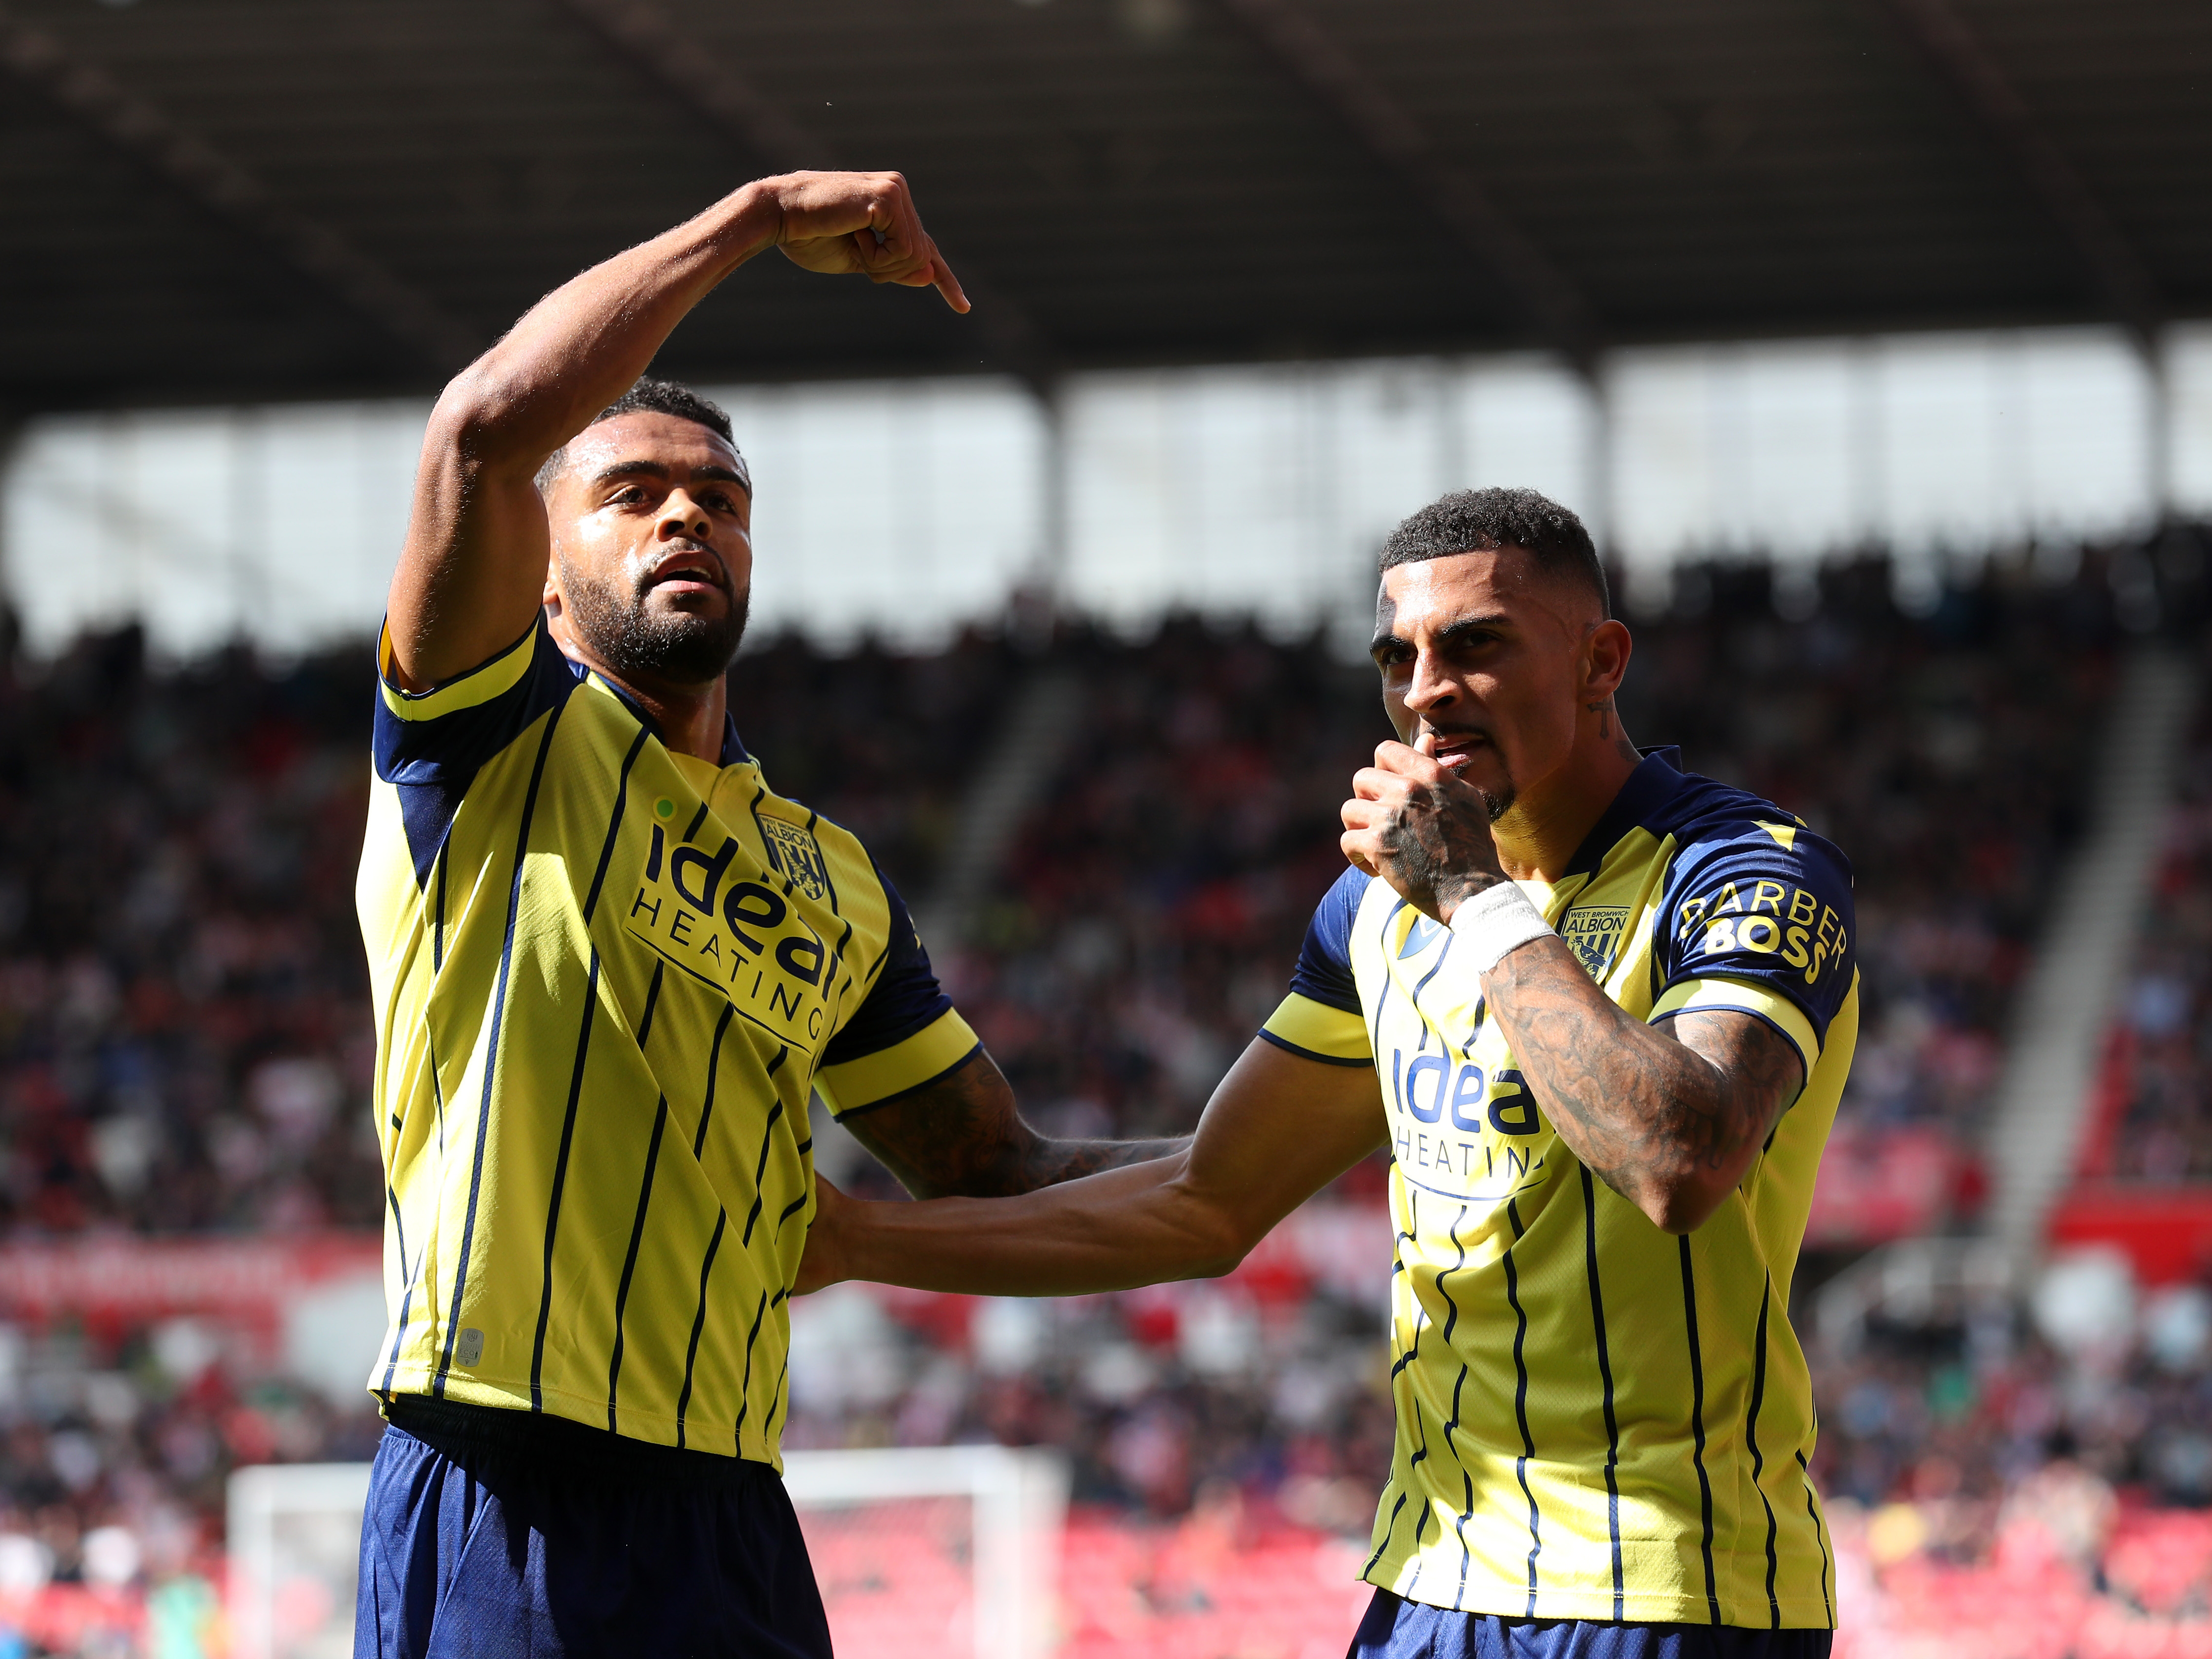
x=1596 y=1420
x=607 y=977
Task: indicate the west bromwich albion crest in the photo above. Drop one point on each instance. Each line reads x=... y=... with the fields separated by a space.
x=1594 y=935
x=797 y=856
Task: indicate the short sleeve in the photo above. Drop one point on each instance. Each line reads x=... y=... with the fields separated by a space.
x=905 y=1034
x=1321 y=1020
x=1759 y=922
x=423 y=737
x=429 y=745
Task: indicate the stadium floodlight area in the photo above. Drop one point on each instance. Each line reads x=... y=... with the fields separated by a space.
x=931 y=1552
x=1252 y=490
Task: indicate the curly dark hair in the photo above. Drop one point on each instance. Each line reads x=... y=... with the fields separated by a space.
x=1483 y=520
x=660 y=398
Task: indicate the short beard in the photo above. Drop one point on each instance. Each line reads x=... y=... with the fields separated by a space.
x=675 y=648
x=1498 y=803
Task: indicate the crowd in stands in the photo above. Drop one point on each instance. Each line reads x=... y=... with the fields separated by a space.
x=1947 y=754
x=184 y=1039
x=2163 y=1051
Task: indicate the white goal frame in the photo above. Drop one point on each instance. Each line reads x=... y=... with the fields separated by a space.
x=264 y=1502
x=1019 y=1499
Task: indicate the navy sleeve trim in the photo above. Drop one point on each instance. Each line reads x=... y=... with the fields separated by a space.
x=1291 y=1047
x=1804 y=1065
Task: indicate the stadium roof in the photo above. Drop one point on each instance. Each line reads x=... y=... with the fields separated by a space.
x=218 y=199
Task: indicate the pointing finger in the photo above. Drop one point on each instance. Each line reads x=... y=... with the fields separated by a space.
x=947 y=283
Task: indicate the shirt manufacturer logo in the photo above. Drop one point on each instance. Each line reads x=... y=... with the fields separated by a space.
x=1420 y=937
x=796 y=856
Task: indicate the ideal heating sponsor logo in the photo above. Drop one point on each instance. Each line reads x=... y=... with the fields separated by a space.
x=1453 y=1118
x=704 y=913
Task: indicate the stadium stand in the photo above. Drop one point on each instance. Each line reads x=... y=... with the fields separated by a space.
x=183 y=1049
x=2158 y=1072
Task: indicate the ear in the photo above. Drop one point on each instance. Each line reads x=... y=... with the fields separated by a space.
x=1606 y=651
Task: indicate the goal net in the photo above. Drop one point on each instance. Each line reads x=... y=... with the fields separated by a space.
x=933 y=1553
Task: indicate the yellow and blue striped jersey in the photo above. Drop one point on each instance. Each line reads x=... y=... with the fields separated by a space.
x=607 y=976
x=1596 y=1420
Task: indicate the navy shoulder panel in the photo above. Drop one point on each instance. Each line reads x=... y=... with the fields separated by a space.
x=1753 y=894
x=905 y=997
x=1323 y=973
x=431 y=763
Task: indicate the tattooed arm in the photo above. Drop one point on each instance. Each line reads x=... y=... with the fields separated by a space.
x=961 y=1135
x=1278 y=1129
x=1669 y=1115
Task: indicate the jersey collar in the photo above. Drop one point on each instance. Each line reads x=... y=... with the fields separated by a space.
x=1647 y=789
x=733 y=749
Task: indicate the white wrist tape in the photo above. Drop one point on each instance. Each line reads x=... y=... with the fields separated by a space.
x=1496 y=920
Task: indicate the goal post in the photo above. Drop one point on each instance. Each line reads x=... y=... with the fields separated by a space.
x=929 y=1553
x=938 y=1552
x=295 y=1559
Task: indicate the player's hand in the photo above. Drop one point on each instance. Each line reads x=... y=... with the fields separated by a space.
x=823 y=1264
x=1414 y=824
x=839 y=223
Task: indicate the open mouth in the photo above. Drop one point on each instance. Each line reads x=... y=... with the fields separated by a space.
x=1455 y=749
x=686 y=571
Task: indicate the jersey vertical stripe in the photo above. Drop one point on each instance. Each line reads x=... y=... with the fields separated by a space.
x=491 y=1066
x=1758 y=1457
x=1521 y=1403
x=1596 y=1421
x=561 y=1180
x=626 y=970
x=1698 y=1427
x=1605 y=1378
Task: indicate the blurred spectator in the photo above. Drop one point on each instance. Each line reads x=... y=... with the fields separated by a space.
x=185 y=1040
x=2165 y=1055
x=183 y=1046
x=1948 y=754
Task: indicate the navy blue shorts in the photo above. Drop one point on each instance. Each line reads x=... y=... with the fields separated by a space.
x=486 y=1537
x=1395 y=1628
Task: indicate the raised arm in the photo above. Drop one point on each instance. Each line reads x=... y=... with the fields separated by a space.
x=1278 y=1129
x=473 y=570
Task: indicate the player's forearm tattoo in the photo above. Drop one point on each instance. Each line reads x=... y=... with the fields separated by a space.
x=1439 y=848
x=1644 y=1107
x=961 y=1137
